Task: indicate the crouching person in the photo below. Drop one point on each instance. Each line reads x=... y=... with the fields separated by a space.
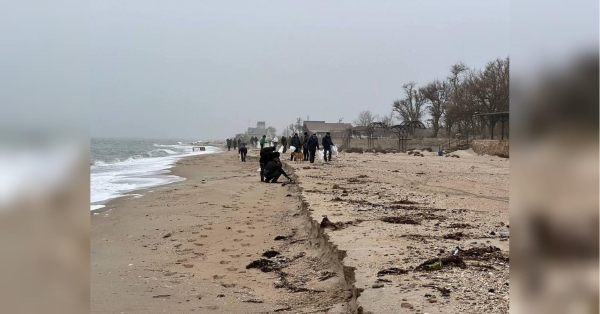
x=274 y=170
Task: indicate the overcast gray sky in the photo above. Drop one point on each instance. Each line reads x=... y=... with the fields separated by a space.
x=209 y=69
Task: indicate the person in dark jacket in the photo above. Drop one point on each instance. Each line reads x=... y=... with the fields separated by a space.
x=274 y=170
x=239 y=142
x=303 y=142
x=243 y=151
x=228 y=144
x=327 y=143
x=284 y=143
x=235 y=144
x=312 y=144
x=295 y=142
x=266 y=155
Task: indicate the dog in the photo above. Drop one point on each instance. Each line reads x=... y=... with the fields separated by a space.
x=299 y=157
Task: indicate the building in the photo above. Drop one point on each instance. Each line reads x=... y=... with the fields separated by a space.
x=322 y=127
x=258 y=131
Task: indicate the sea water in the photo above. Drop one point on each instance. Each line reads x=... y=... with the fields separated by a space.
x=119 y=166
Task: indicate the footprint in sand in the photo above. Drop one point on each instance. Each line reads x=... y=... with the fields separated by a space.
x=224 y=262
x=245 y=244
x=232 y=269
x=237 y=240
x=240 y=231
x=203 y=236
x=251 y=227
x=219 y=277
x=250 y=235
x=198 y=244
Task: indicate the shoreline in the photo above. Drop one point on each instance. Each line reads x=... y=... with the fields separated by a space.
x=140 y=192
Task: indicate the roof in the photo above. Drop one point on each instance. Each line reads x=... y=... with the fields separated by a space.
x=322 y=126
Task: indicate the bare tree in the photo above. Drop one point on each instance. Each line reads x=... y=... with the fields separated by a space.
x=411 y=107
x=272 y=130
x=435 y=94
x=299 y=125
x=365 y=118
x=387 y=120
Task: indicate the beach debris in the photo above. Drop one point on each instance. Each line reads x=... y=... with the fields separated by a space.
x=264 y=265
x=455 y=236
x=253 y=301
x=324 y=275
x=161 y=296
x=439 y=263
x=270 y=254
x=459 y=225
x=377 y=285
x=406 y=305
x=401 y=220
x=354 y=150
x=167 y=235
x=188 y=265
x=504 y=233
x=280 y=237
x=281 y=309
x=392 y=271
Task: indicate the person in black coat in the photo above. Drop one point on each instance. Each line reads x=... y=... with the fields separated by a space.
x=266 y=155
x=327 y=144
x=274 y=170
x=243 y=151
x=228 y=144
x=312 y=144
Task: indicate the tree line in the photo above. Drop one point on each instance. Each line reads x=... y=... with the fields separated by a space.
x=452 y=103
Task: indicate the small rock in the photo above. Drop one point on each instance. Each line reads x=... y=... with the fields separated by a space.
x=167 y=235
x=377 y=285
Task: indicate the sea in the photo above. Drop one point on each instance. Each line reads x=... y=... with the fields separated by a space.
x=120 y=166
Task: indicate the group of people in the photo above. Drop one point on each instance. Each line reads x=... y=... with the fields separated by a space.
x=270 y=163
x=234 y=142
x=309 y=146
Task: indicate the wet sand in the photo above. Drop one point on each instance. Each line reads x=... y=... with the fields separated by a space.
x=406 y=215
x=185 y=247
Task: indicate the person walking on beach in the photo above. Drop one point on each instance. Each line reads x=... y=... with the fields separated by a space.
x=275 y=142
x=263 y=140
x=284 y=143
x=243 y=151
x=327 y=143
x=303 y=142
x=274 y=170
x=234 y=144
x=266 y=155
x=239 y=142
x=312 y=144
x=228 y=144
x=295 y=142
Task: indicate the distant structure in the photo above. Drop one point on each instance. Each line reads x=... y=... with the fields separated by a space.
x=322 y=127
x=259 y=130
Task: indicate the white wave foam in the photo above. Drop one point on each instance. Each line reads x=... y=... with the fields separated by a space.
x=112 y=180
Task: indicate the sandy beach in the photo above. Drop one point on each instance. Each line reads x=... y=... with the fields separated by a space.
x=185 y=247
x=423 y=233
x=402 y=234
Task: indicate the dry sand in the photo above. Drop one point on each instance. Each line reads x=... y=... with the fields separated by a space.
x=398 y=211
x=184 y=247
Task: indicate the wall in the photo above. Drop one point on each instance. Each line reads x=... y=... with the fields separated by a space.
x=392 y=143
x=491 y=147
